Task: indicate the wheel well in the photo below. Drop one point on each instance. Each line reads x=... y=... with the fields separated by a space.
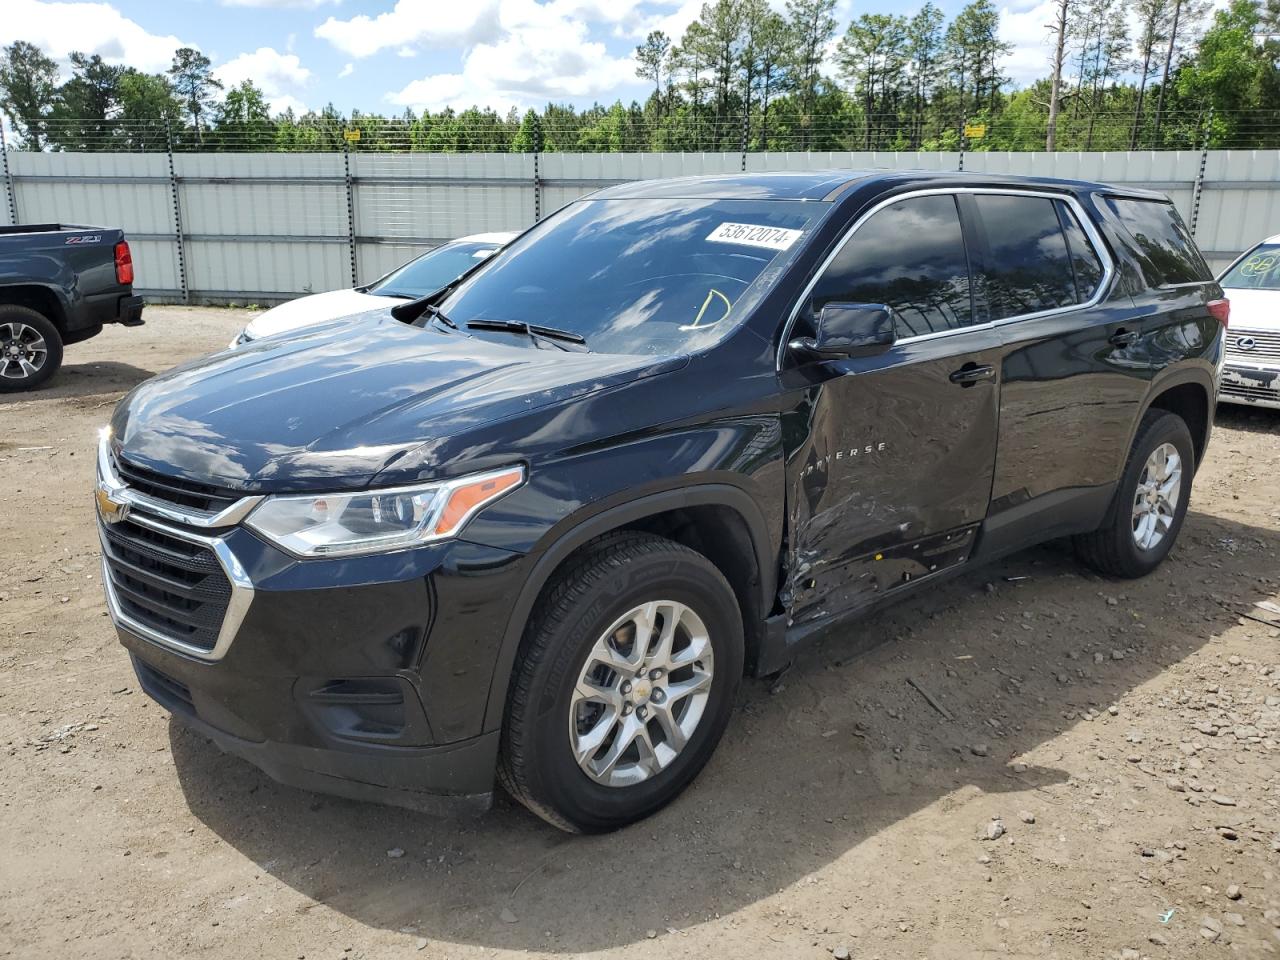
x=1191 y=403
x=721 y=535
x=40 y=299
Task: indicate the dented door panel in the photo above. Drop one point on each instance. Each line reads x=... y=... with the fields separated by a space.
x=886 y=453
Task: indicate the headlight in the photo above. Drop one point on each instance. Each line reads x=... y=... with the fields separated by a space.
x=378 y=521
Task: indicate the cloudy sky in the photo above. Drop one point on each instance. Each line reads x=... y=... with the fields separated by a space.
x=384 y=55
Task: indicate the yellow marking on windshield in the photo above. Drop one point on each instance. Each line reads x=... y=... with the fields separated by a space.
x=697 y=324
x=1258 y=264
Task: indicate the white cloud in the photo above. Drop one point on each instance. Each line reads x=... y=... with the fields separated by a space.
x=281 y=76
x=280 y=4
x=1027 y=28
x=60 y=28
x=346 y=71
x=514 y=52
x=426 y=22
x=540 y=55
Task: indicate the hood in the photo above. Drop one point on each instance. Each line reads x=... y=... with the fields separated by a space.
x=316 y=308
x=1253 y=309
x=333 y=407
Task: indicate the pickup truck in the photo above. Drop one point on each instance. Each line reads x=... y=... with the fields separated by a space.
x=535 y=527
x=59 y=283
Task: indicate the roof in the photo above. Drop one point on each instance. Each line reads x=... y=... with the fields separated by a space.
x=501 y=237
x=781 y=185
x=827 y=184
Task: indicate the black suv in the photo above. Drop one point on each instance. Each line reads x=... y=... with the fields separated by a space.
x=537 y=526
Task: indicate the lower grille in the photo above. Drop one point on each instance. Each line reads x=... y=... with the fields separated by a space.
x=1251 y=393
x=169 y=585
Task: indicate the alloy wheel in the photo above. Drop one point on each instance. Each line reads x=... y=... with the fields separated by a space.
x=22 y=351
x=1155 y=502
x=641 y=693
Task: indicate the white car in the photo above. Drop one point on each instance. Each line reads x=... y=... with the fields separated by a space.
x=434 y=269
x=1252 y=284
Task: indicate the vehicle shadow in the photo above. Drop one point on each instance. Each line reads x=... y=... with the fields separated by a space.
x=842 y=748
x=1248 y=419
x=86 y=380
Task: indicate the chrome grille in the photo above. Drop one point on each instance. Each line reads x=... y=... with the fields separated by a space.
x=1266 y=345
x=172 y=586
x=180 y=493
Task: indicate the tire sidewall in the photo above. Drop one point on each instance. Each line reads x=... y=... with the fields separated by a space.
x=1167 y=429
x=554 y=773
x=53 y=345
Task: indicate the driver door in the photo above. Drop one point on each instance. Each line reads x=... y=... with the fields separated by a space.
x=890 y=457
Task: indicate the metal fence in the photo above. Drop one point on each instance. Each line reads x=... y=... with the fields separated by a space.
x=265 y=227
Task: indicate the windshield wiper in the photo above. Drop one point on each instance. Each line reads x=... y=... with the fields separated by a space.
x=533 y=331
x=437 y=314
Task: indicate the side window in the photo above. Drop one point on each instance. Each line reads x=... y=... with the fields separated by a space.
x=911 y=256
x=1029 y=269
x=1161 y=243
x=1084 y=259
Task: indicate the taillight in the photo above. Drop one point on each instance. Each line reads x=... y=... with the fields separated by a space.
x=124 y=263
x=1221 y=310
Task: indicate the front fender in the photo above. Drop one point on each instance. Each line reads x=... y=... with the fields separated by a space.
x=552 y=517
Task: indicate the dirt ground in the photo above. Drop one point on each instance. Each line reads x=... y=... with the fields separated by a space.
x=1125 y=735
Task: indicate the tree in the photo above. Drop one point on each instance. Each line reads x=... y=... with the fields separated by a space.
x=243 y=119
x=1153 y=15
x=195 y=83
x=28 y=84
x=147 y=108
x=974 y=50
x=651 y=60
x=1187 y=14
x=924 y=52
x=812 y=27
x=772 y=43
x=1059 y=34
x=718 y=36
x=1231 y=71
x=87 y=102
x=529 y=138
x=873 y=55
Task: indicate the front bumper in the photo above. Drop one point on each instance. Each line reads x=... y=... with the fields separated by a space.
x=366 y=677
x=446 y=780
x=1249 y=384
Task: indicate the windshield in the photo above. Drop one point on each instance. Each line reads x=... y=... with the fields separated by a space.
x=638 y=276
x=1260 y=270
x=434 y=269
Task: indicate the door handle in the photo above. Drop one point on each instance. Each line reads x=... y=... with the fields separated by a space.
x=1123 y=338
x=971 y=373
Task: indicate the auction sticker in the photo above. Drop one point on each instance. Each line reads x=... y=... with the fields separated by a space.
x=753 y=235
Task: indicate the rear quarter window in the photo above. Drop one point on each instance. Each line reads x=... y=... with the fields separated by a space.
x=1160 y=242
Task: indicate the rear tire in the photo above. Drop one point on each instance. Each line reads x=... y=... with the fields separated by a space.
x=30 y=348
x=584 y=675
x=1143 y=521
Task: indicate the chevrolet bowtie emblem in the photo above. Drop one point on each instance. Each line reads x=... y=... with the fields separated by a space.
x=111 y=511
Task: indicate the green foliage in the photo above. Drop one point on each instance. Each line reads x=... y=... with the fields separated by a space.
x=28 y=84
x=744 y=76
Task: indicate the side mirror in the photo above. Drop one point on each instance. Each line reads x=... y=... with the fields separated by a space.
x=848 y=330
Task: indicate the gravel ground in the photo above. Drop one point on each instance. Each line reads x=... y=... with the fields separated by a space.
x=1107 y=783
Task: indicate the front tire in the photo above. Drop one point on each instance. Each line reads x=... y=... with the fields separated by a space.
x=624 y=683
x=1150 y=504
x=30 y=348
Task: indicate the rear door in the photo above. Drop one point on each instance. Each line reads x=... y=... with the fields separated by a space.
x=1074 y=368
x=890 y=457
